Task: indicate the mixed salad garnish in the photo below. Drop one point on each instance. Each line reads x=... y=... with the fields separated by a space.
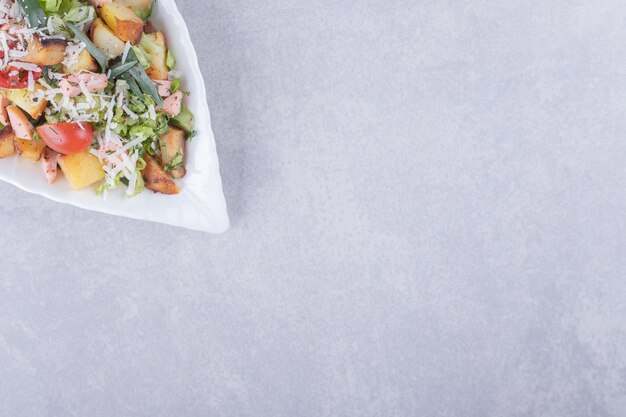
x=90 y=87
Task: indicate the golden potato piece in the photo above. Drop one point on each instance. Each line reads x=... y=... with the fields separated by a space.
x=48 y=51
x=85 y=62
x=30 y=149
x=143 y=8
x=27 y=101
x=156 y=179
x=81 y=169
x=104 y=38
x=154 y=45
x=7 y=145
x=123 y=21
x=173 y=152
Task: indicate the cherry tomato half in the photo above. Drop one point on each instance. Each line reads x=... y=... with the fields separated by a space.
x=66 y=138
x=14 y=77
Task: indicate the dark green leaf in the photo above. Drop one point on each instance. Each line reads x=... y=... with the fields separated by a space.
x=144 y=82
x=34 y=13
x=119 y=69
x=98 y=55
x=132 y=84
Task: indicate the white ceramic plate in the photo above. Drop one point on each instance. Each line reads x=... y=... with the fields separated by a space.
x=200 y=205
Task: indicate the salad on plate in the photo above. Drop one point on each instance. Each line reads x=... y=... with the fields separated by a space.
x=90 y=87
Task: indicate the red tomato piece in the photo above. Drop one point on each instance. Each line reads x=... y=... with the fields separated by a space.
x=14 y=77
x=66 y=138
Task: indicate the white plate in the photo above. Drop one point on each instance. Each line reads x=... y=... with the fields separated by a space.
x=200 y=205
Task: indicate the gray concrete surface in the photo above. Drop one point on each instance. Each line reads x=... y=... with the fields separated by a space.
x=428 y=203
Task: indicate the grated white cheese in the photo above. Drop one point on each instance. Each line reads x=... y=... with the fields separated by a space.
x=4 y=8
x=96 y=153
x=5 y=49
x=129 y=112
x=55 y=75
x=132 y=143
x=90 y=17
x=85 y=90
x=16 y=12
x=132 y=183
x=50 y=26
x=14 y=53
x=125 y=54
x=72 y=51
x=120 y=99
x=26 y=66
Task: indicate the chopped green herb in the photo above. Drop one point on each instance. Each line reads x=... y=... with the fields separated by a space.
x=175 y=163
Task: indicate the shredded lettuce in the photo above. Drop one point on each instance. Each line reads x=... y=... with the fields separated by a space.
x=140 y=186
x=101 y=188
x=141 y=164
x=175 y=85
x=137 y=104
x=80 y=14
x=184 y=120
x=58 y=6
x=58 y=26
x=108 y=187
x=141 y=131
x=144 y=126
x=162 y=125
x=175 y=163
x=171 y=61
x=50 y=6
x=121 y=178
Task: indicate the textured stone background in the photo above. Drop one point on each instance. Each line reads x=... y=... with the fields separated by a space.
x=428 y=202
